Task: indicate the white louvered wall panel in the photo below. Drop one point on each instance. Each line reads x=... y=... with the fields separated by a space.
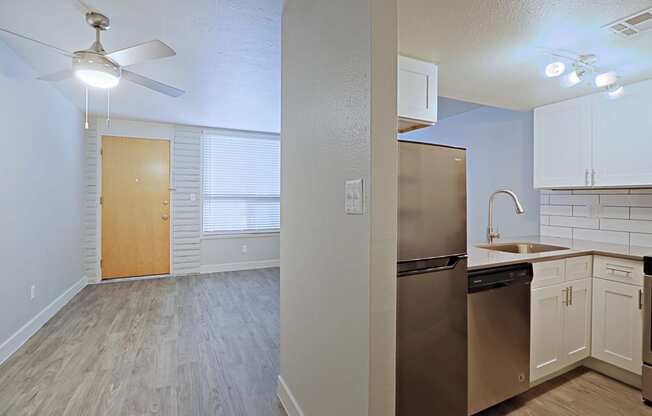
x=91 y=200
x=186 y=225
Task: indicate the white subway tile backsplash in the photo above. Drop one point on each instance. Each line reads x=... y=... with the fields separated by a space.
x=617 y=216
x=575 y=222
x=613 y=237
x=556 y=210
x=600 y=211
x=613 y=212
x=641 y=240
x=626 y=200
x=641 y=213
x=574 y=199
x=561 y=232
x=630 y=226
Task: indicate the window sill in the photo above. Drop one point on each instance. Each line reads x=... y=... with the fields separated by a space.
x=218 y=236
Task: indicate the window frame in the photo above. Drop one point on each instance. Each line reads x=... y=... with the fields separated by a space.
x=230 y=134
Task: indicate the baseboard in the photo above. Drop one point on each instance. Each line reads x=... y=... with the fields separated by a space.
x=556 y=374
x=232 y=267
x=287 y=399
x=15 y=341
x=614 y=372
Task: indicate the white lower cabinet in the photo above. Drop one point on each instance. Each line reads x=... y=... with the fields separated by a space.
x=560 y=330
x=618 y=324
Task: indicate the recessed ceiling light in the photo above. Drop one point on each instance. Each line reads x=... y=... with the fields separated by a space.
x=605 y=79
x=555 y=69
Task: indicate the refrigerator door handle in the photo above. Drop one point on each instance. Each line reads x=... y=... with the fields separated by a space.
x=451 y=263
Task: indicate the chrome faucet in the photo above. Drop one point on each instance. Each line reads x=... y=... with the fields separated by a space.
x=491 y=233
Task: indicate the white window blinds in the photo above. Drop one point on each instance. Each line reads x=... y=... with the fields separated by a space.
x=241 y=183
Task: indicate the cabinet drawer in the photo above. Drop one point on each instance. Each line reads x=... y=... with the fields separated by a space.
x=618 y=270
x=548 y=273
x=579 y=268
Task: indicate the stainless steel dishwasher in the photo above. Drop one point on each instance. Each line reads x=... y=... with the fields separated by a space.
x=498 y=334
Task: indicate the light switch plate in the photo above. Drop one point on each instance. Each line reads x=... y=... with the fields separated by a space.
x=354 y=197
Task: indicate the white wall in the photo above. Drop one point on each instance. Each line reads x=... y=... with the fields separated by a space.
x=191 y=252
x=500 y=155
x=237 y=252
x=338 y=276
x=41 y=182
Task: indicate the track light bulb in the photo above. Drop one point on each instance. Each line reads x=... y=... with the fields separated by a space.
x=605 y=79
x=572 y=79
x=615 y=91
x=555 y=69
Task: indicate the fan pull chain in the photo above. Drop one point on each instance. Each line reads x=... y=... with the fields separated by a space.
x=108 y=108
x=86 y=123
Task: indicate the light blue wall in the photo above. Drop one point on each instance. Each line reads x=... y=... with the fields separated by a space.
x=500 y=155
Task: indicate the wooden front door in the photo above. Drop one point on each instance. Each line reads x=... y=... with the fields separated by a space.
x=135 y=207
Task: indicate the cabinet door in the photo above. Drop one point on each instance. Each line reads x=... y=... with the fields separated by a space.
x=617 y=324
x=577 y=322
x=562 y=144
x=546 y=320
x=622 y=134
x=417 y=90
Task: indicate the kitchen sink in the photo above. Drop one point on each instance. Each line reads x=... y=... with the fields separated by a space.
x=522 y=248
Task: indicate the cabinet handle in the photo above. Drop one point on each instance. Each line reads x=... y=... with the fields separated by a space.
x=565 y=301
x=586 y=177
x=614 y=268
x=640 y=299
x=593 y=177
x=570 y=294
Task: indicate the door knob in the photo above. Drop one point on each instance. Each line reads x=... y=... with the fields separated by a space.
x=165 y=202
x=165 y=217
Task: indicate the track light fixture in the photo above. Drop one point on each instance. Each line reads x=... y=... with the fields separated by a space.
x=583 y=67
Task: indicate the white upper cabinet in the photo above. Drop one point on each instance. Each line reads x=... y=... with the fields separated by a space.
x=622 y=137
x=417 y=93
x=595 y=141
x=562 y=144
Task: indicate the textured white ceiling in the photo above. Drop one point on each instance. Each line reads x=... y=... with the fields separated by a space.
x=228 y=56
x=489 y=51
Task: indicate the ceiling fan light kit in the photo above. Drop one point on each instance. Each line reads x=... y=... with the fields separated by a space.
x=96 y=68
x=583 y=66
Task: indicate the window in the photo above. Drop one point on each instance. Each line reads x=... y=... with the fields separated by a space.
x=241 y=182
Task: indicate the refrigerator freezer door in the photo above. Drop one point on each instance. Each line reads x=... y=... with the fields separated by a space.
x=432 y=201
x=432 y=343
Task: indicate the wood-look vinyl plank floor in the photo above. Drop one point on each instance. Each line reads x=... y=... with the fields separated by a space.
x=204 y=345
x=207 y=345
x=581 y=392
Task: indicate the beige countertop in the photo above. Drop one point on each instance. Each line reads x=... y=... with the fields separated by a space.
x=480 y=258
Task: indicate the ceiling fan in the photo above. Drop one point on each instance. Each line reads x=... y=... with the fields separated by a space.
x=97 y=68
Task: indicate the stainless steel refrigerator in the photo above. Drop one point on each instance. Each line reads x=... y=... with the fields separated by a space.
x=432 y=281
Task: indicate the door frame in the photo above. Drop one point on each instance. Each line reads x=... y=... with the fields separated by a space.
x=101 y=133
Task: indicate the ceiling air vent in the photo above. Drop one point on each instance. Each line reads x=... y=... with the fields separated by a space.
x=632 y=25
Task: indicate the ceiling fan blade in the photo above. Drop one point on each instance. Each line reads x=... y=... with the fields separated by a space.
x=57 y=76
x=47 y=45
x=154 y=49
x=151 y=84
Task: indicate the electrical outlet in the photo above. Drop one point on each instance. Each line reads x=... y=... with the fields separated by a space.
x=244 y=248
x=32 y=292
